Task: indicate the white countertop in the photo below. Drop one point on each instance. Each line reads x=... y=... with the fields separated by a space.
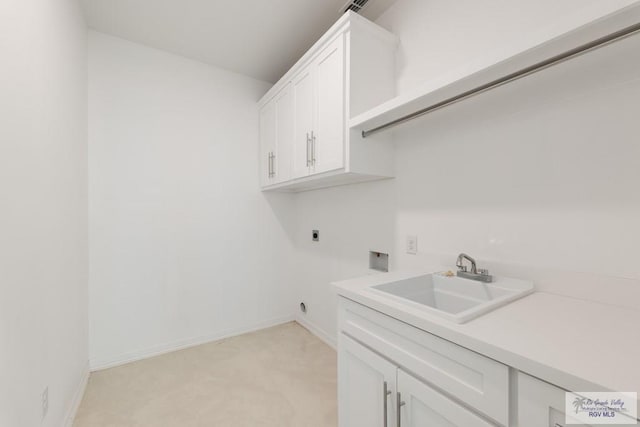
x=575 y=344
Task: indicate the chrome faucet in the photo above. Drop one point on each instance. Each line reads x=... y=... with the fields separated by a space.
x=481 y=275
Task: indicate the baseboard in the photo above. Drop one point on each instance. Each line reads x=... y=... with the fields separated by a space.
x=318 y=332
x=77 y=397
x=100 y=364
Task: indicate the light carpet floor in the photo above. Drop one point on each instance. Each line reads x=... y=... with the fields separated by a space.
x=281 y=377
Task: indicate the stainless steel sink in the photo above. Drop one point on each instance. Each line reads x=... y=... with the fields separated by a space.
x=455 y=298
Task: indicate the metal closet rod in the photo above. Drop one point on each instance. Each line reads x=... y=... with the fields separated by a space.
x=524 y=72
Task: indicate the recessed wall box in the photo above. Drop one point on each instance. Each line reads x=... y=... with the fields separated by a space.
x=378 y=261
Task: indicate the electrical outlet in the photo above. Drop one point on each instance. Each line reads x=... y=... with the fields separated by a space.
x=412 y=245
x=45 y=402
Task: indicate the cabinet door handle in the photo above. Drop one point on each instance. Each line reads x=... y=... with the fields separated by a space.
x=273 y=164
x=269 y=164
x=308 y=140
x=313 y=148
x=400 y=405
x=385 y=396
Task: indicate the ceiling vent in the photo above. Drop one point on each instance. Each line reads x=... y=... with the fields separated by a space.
x=354 y=5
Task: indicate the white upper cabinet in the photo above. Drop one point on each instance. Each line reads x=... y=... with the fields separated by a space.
x=302 y=122
x=284 y=134
x=267 y=143
x=319 y=118
x=306 y=144
x=276 y=138
x=329 y=130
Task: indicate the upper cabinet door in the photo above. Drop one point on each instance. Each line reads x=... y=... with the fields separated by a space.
x=284 y=132
x=366 y=387
x=421 y=405
x=302 y=88
x=267 y=143
x=329 y=133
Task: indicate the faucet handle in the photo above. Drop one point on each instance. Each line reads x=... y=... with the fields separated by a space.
x=483 y=271
x=462 y=268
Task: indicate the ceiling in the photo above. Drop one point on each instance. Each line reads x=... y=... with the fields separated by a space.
x=258 y=38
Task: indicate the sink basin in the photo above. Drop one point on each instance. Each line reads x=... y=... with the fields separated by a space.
x=455 y=298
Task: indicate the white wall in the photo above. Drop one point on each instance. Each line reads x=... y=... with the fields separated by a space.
x=352 y=221
x=43 y=210
x=184 y=248
x=440 y=39
x=536 y=180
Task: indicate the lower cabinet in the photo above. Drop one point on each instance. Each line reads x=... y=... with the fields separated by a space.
x=465 y=382
x=541 y=404
x=391 y=374
x=374 y=392
x=422 y=406
x=366 y=387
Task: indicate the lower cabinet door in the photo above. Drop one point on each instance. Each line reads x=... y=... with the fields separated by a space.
x=540 y=404
x=366 y=387
x=422 y=406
